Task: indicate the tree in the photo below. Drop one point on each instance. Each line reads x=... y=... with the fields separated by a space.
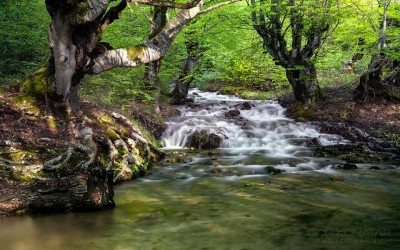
x=371 y=82
x=75 y=35
x=309 y=23
x=182 y=84
x=151 y=78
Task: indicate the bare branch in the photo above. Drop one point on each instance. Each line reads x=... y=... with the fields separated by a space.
x=143 y=13
x=218 y=6
x=112 y=14
x=168 y=3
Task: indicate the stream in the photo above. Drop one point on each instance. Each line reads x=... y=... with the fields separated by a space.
x=233 y=197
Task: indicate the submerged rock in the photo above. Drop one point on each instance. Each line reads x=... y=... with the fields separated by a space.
x=232 y=113
x=334 y=178
x=216 y=170
x=203 y=140
x=272 y=170
x=374 y=168
x=347 y=166
x=245 y=106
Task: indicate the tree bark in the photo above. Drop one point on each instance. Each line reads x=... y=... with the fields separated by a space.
x=304 y=84
x=306 y=38
x=182 y=85
x=151 y=78
x=371 y=83
x=75 y=40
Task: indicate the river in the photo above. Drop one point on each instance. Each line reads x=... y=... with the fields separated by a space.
x=227 y=198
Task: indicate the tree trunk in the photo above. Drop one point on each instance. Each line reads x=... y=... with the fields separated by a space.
x=371 y=80
x=304 y=84
x=152 y=81
x=151 y=78
x=182 y=85
x=394 y=78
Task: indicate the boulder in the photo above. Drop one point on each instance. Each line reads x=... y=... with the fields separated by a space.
x=232 y=113
x=203 y=140
x=245 y=106
x=347 y=166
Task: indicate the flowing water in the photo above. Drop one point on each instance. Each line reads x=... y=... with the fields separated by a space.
x=226 y=198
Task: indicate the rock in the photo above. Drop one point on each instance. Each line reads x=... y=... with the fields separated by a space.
x=334 y=178
x=88 y=190
x=374 y=168
x=245 y=106
x=203 y=140
x=272 y=170
x=216 y=170
x=232 y=113
x=347 y=166
x=213 y=154
x=195 y=94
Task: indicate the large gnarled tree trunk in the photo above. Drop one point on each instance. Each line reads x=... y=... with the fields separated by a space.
x=304 y=84
x=371 y=82
x=306 y=37
x=75 y=36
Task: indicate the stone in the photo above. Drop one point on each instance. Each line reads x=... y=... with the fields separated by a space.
x=272 y=170
x=232 y=113
x=347 y=166
x=245 y=106
x=374 y=168
x=334 y=178
x=203 y=140
x=216 y=170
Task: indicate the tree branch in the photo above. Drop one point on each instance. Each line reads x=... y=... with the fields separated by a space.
x=168 y=3
x=111 y=15
x=93 y=10
x=218 y=6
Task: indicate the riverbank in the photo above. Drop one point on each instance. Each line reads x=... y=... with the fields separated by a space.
x=52 y=164
x=372 y=126
x=40 y=153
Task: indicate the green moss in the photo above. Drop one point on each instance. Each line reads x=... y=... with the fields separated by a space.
x=82 y=8
x=136 y=53
x=38 y=84
x=26 y=103
x=112 y=134
x=302 y=112
x=107 y=120
x=51 y=122
x=20 y=212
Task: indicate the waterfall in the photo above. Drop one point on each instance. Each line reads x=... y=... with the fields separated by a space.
x=260 y=127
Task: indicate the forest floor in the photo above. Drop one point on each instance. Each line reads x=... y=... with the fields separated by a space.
x=373 y=125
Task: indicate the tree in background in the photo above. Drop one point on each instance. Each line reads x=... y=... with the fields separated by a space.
x=292 y=32
x=182 y=84
x=75 y=35
x=371 y=82
x=151 y=79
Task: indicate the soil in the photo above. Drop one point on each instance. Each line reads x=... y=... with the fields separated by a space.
x=372 y=125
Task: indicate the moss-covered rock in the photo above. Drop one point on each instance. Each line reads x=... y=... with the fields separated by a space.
x=272 y=170
x=38 y=84
x=203 y=140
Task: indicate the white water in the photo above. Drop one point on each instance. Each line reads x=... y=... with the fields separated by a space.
x=264 y=129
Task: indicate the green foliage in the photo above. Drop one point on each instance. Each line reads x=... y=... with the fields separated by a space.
x=23 y=28
x=117 y=87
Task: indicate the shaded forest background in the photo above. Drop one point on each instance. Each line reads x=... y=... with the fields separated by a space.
x=232 y=57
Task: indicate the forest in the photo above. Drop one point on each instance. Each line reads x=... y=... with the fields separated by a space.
x=204 y=124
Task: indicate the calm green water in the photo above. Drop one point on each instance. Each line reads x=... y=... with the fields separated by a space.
x=185 y=206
